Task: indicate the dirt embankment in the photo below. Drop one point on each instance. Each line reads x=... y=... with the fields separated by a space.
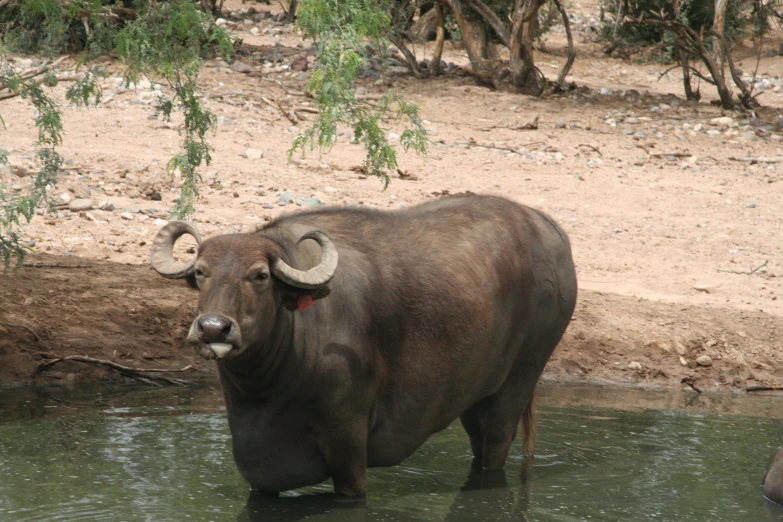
x=129 y=315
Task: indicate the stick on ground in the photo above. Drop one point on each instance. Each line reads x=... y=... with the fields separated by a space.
x=138 y=374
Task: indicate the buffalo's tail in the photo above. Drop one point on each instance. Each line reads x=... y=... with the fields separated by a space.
x=529 y=425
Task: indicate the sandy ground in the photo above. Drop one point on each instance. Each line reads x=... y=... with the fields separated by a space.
x=675 y=231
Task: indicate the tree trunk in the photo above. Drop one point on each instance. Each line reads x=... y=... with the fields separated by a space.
x=718 y=27
x=571 y=53
x=441 y=35
x=525 y=77
x=682 y=57
x=481 y=53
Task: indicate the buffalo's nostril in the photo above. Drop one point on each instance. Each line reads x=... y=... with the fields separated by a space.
x=214 y=328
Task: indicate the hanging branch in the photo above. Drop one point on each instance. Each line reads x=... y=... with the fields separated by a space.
x=138 y=374
x=571 y=53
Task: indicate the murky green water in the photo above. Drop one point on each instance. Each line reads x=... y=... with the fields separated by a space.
x=603 y=455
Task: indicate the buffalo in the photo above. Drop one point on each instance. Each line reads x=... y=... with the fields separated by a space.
x=345 y=337
x=773 y=480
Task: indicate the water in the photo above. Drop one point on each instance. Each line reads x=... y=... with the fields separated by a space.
x=603 y=454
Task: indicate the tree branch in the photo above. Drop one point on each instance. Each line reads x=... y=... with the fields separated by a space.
x=412 y=63
x=492 y=19
x=571 y=53
x=133 y=373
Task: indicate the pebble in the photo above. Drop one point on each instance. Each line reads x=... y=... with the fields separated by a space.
x=241 y=67
x=606 y=91
x=311 y=203
x=80 y=205
x=704 y=288
x=560 y=124
x=66 y=197
x=634 y=365
x=20 y=171
x=360 y=91
x=252 y=154
x=750 y=205
x=106 y=205
x=723 y=121
x=631 y=120
x=704 y=360
x=160 y=222
x=127 y=215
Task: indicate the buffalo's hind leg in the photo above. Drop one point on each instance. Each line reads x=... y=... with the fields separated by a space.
x=492 y=422
x=471 y=421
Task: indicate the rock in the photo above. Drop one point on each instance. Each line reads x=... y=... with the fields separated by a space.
x=631 y=120
x=299 y=63
x=771 y=53
x=80 y=205
x=241 y=67
x=606 y=91
x=160 y=222
x=83 y=191
x=106 y=205
x=393 y=137
x=750 y=205
x=749 y=136
x=285 y=198
x=252 y=154
x=360 y=91
x=704 y=360
x=267 y=206
x=640 y=134
x=704 y=288
x=560 y=124
x=66 y=197
x=723 y=121
x=633 y=365
x=20 y=171
x=127 y=215
x=220 y=22
x=311 y=203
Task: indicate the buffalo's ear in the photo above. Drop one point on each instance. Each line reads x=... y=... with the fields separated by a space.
x=297 y=298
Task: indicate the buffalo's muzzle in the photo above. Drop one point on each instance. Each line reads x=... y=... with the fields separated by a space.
x=217 y=332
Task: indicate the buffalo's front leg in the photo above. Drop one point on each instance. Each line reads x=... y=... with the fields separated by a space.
x=344 y=449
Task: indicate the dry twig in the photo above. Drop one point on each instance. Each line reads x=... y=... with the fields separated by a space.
x=137 y=374
x=740 y=272
x=763 y=388
x=14 y=325
x=590 y=147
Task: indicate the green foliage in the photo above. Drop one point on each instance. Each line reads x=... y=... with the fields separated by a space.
x=697 y=14
x=340 y=27
x=167 y=43
x=16 y=208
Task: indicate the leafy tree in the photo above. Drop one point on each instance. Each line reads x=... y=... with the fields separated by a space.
x=166 y=41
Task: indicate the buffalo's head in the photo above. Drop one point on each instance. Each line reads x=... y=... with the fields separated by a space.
x=243 y=281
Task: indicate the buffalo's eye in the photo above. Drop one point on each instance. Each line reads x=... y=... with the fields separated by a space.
x=198 y=272
x=260 y=276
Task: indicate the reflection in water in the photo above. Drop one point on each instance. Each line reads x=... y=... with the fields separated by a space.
x=773 y=511
x=484 y=497
x=603 y=454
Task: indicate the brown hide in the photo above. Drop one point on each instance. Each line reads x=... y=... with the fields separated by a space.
x=448 y=309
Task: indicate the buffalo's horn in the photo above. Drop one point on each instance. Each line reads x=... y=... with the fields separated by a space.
x=317 y=276
x=162 y=257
